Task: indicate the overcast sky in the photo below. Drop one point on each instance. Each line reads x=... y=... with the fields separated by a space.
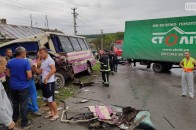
x=94 y=15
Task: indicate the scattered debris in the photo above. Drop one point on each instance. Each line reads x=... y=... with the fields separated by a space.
x=82 y=84
x=38 y=97
x=169 y=122
x=107 y=116
x=82 y=101
x=136 y=123
x=56 y=92
x=87 y=98
x=59 y=108
x=86 y=90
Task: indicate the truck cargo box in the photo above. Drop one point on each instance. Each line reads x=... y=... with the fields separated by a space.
x=164 y=39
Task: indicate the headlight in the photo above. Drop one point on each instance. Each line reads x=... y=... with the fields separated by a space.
x=119 y=57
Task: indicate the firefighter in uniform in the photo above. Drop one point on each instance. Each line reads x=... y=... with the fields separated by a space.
x=111 y=56
x=187 y=80
x=105 y=67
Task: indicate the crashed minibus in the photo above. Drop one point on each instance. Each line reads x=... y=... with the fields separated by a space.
x=72 y=54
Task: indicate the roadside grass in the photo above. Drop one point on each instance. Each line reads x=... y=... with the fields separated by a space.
x=66 y=92
x=95 y=71
x=96 y=68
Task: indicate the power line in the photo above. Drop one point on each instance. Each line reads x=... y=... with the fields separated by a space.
x=31 y=9
x=40 y=7
x=88 y=25
x=47 y=22
x=101 y=39
x=31 y=20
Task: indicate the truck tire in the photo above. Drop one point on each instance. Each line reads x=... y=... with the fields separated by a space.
x=167 y=67
x=59 y=80
x=158 y=67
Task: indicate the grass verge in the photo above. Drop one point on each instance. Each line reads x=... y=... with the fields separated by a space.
x=66 y=92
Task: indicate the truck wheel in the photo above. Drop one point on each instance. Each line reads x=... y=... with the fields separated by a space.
x=167 y=67
x=89 y=69
x=59 y=80
x=157 y=67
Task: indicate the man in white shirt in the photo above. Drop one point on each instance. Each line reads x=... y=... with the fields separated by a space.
x=6 y=110
x=47 y=70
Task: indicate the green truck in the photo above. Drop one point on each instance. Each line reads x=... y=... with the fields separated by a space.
x=161 y=42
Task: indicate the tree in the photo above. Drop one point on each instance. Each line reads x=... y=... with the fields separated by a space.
x=108 y=39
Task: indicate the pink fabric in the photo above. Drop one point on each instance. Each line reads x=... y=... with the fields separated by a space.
x=99 y=114
x=109 y=109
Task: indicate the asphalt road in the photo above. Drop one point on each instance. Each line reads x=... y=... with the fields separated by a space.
x=140 y=88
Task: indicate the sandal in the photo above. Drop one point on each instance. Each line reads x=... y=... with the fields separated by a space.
x=46 y=109
x=48 y=116
x=54 y=118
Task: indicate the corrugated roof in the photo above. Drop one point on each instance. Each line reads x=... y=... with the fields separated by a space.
x=11 y=32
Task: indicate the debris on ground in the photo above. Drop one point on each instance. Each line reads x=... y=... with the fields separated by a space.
x=82 y=84
x=56 y=92
x=169 y=122
x=87 y=98
x=82 y=101
x=127 y=118
x=86 y=90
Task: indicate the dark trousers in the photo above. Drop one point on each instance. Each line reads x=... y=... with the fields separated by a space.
x=115 y=67
x=20 y=105
x=3 y=127
x=105 y=77
x=8 y=87
x=111 y=65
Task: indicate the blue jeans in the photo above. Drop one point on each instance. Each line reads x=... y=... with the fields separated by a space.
x=32 y=102
x=20 y=100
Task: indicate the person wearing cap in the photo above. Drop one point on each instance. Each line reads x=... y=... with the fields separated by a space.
x=187 y=79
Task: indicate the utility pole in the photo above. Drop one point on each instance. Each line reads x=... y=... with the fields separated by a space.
x=47 y=22
x=31 y=20
x=75 y=14
x=101 y=39
x=36 y=23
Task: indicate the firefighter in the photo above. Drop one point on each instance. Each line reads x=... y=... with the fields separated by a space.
x=187 y=79
x=111 y=56
x=115 y=62
x=105 y=67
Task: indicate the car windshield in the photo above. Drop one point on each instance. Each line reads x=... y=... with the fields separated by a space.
x=118 y=46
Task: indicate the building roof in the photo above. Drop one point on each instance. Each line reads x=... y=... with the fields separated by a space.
x=11 y=32
x=36 y=37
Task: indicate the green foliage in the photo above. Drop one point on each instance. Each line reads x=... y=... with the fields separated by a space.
x=108 y=39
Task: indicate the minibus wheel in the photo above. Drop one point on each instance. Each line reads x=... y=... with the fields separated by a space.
x=59 y=80
x=89 y=69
